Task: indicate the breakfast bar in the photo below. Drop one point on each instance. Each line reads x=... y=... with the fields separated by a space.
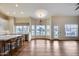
x=8 y=43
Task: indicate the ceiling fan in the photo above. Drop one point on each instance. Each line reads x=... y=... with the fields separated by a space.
x=77 y=6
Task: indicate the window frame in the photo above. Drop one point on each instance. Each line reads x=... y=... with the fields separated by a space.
x=71 y=28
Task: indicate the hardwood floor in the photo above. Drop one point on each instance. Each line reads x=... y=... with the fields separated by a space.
x=49 y=48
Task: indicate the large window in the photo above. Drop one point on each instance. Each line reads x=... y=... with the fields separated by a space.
x=40 y=30
x=22 y=29
x=71 y=30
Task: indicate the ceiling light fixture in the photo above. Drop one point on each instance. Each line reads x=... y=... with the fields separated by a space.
x=17 y=5
x=41 y=13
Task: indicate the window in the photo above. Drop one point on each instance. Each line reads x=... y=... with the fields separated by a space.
x=18 y=29
x=22 y=29
x=33 y=30
x=40 y=30
x=71 y=30
x=56 y=31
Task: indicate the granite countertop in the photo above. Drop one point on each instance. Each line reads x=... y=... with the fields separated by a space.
x=8 y=37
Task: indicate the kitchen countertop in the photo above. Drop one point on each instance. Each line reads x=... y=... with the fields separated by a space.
x=8 y=37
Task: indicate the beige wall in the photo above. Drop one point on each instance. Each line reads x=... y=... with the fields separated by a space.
x=54 y=20
x=37 y=21
x=61 y=21
x=11 y=25
x=3 y=26
x=22 y=20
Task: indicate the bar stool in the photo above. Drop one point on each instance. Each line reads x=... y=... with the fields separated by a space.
x=22 y=40
x=4 y=48
x=12 y=45
x=18 y=45
x=1 y=48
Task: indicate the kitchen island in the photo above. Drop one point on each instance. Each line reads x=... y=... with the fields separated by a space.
x=10 y=43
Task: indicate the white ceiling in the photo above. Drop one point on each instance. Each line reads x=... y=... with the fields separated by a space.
x=29 y=9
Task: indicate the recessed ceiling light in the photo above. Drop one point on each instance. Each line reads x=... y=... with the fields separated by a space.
x=22 y=12
x=17 y=5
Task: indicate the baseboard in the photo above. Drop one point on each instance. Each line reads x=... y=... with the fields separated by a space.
x=64 y=39
x=40 y=39
x=55 y=39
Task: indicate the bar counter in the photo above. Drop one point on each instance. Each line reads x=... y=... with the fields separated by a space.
x=7 y=37
x=9 y=43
